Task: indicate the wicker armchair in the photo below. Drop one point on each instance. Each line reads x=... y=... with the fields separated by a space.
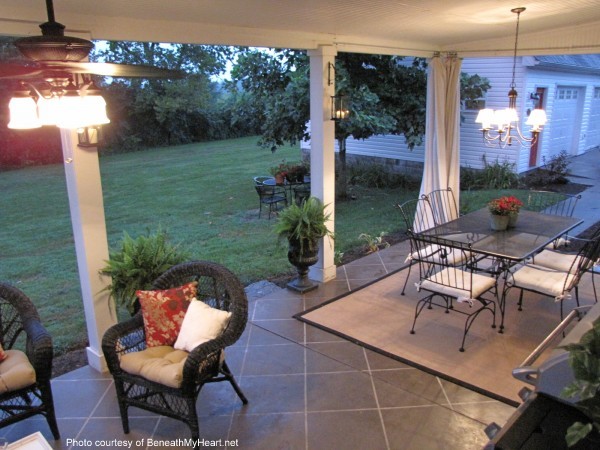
x=27 y=344
x=218 y=288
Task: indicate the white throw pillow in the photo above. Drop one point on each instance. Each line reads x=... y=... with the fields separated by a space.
x=200 y=324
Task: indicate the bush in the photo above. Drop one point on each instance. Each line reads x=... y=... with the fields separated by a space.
x=497 y=175
x=379 y=176
x=137 y=263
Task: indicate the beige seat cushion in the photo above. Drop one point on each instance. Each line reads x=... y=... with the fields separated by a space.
x=555 y=260
x=543 y=279
x=162 y=364
x=16 y=371
x=438 y=254
x=458 y=283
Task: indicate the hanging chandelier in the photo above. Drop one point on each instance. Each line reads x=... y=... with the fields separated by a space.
x=498 y=125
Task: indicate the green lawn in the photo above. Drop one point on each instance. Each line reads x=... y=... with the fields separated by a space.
x=202 y=194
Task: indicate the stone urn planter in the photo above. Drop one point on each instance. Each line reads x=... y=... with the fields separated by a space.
x=302 y=257
x=303 y=225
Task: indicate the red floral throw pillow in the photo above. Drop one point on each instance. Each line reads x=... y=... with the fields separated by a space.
x=163 y=312
x=3 y=354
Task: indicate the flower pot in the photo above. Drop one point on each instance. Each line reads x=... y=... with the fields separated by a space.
x=498 y=223
x=279 y=178
x=302 y=258
x=512 y=219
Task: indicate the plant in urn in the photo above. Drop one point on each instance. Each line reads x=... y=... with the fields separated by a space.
x=303 y=225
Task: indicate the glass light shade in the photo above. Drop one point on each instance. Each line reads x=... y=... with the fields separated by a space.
x=23 y=113
x=94 y=107
x=48 y=110
x=537 y=119
x=485 y=118
x=71 y=113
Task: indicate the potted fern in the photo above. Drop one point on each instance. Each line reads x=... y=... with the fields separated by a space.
x=303 y=225
x=136 y=263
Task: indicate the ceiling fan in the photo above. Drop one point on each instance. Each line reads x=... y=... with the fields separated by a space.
x=53 y=54
x=56 y=84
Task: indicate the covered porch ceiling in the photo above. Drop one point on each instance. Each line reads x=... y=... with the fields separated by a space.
x=409 y=27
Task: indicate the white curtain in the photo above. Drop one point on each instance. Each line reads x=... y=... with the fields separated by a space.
x=442 y=127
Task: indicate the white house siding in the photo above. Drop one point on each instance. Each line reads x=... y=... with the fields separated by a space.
x=593 y=126
x=583 y=124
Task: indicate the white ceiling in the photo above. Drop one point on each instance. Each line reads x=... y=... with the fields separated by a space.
x=408 y=27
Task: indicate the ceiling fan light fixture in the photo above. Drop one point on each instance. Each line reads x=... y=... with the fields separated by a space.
x=23 y=113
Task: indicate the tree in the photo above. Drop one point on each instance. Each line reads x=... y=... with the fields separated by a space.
x=386 y=97
x=162 y=111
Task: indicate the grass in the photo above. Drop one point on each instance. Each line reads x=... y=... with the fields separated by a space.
x=202 y=194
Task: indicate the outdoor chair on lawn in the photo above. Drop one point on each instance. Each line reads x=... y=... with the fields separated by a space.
x=167 y=379
x=460 y=289
x=444 y=205
x=418 y=217
x=270 y=196
x=26 y=366
x=554 y=281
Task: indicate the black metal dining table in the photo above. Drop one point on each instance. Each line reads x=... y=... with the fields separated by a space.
x=532 y=233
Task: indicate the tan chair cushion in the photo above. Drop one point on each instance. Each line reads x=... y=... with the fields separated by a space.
x=543 y=279
x=438 y=254
x=16 y=371
x=162 y=364
x=555 y=260
x=458 y=283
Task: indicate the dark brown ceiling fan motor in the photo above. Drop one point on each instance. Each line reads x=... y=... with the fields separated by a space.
x=53 y=45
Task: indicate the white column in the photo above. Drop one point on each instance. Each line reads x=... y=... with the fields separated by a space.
x=82 y=171
x=322 y=151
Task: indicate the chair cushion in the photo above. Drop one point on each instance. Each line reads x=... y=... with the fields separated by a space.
x=555 y=260
x=458 y=283
x=438 y=254
x=542 y=279
x=163 y=312
x=16 y=371
x=162 y=364
x=200 y=324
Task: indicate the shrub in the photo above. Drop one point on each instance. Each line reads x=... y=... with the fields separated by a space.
x=137 y=263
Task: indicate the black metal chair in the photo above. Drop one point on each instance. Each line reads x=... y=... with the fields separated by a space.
x=555 y=203
x=444 y=205
x=27 y=369
x=456 y=286
x=418 y=216
x=270 y=196
x=218 y=288
x=555 y=282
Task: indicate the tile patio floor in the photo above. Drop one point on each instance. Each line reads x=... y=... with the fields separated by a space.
x=308 y=389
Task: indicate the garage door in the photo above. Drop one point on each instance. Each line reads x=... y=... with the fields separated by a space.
x=566 y=120
x=593 y=132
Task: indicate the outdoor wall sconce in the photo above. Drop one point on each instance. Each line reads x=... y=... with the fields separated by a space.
x=88 y=136
x=339 y=108
x=339 y=103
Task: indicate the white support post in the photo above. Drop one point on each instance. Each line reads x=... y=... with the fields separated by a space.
x=82 y=171
x=322 y=151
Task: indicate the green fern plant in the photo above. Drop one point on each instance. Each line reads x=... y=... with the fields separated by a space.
x=305 y=223
x=137 y=263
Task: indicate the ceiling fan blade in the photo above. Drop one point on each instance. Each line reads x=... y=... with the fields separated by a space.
x=116 y=70
x=11 y=70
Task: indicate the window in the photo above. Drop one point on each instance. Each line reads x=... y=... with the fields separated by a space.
x=597 y=92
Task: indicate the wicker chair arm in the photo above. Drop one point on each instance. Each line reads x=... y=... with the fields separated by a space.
x=39 y=348
x=121 y=338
